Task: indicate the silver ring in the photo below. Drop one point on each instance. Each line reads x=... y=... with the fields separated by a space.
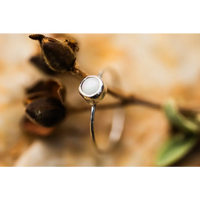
x=93 y=90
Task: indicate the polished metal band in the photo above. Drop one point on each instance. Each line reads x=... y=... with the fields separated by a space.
x=117 y=122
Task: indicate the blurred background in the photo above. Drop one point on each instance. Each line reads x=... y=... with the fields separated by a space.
x=152 y=66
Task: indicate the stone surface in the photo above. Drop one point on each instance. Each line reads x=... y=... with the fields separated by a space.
x=153 y=66
x=90 y=86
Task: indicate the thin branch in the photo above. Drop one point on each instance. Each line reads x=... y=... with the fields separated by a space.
x=125 y=99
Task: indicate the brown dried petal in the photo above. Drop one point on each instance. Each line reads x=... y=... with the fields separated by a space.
x=37 y=37
x=59 y=56
x=51 y=87
x=31 y=97
x=73 y=44
x=39 y=62
x=46 y=111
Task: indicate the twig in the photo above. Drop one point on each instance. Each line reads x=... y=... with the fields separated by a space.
x=125 y=99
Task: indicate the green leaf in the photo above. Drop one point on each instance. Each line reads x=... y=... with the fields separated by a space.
x=178 y=120
x=175 y=149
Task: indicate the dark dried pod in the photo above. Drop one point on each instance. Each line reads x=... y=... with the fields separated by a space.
x=45 y=106
x=58 y=55
x=46 y=111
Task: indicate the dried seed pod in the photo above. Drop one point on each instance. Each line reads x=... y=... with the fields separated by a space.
x=46 y=111
x=45 y=106
x=58 y=55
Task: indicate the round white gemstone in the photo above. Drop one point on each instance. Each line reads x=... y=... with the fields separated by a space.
x=90 y=85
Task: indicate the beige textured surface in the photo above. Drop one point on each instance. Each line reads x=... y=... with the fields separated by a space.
x=153 y=66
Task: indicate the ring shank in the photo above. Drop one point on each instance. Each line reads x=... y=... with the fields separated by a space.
x=116 y=128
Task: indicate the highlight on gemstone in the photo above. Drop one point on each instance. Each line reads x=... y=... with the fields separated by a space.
x=91 y=85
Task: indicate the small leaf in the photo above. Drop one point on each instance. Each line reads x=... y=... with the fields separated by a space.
x=175 y=149
x=178 y=120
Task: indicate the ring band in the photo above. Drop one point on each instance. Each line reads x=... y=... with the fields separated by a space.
x=93 y=90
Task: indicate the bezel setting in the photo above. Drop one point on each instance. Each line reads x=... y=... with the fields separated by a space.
x=96 y=96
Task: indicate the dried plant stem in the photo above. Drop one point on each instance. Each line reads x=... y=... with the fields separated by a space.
x=78 y=72
x=125 y=99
